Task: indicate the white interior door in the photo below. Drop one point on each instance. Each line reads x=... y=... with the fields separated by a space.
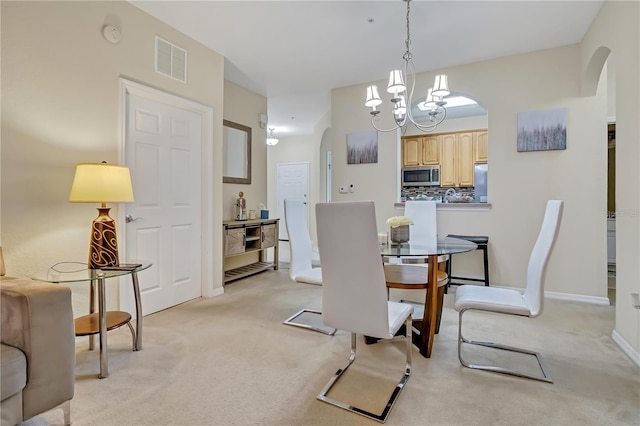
x=293 y=182
x=163 y=151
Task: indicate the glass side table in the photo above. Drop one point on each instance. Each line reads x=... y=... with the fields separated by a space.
x=102 y=321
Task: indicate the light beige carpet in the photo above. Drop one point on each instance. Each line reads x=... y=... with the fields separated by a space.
x=229 y=360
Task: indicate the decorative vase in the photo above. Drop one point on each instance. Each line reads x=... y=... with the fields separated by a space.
x=399 y=234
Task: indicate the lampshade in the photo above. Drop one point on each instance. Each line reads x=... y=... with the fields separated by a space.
x=430 y=103
x=441 y=86
x=101 y=183
x=400 y=108
x=396 y=82
x=373 y=97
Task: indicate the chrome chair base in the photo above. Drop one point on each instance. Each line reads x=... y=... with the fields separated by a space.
x=290 y=321
x=382 y=417
x=546 y=377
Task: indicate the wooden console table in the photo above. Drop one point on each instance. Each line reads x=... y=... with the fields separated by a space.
x=246 y=236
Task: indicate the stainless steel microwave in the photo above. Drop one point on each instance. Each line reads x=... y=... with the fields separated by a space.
x=421 y=176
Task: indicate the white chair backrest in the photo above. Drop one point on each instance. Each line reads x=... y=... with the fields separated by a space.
x=534 y=293
x=295 y=213
x=354 y=295
x=424 y=230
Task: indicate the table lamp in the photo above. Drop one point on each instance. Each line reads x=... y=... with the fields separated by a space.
x=102 y=183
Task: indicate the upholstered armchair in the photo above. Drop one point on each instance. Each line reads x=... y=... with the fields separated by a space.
x=38 y=349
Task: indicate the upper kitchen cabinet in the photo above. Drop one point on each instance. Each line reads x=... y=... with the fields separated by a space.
x=420 y=150
x=480 y=148
x=457 y=159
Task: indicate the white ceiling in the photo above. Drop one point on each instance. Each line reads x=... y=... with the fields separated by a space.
x=295 y=52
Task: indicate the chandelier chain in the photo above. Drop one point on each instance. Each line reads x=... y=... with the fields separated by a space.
x=407 y=55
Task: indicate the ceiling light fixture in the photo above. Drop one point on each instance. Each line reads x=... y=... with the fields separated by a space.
x=403 y=93
x=271 y=140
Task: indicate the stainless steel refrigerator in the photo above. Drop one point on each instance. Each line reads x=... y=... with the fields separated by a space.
x=480 y=181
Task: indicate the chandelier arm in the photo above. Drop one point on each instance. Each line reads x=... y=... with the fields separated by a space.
x=383 y=130
x=431 y=127
x=410 y=72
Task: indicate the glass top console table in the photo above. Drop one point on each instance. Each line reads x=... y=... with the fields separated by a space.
x=102 y=321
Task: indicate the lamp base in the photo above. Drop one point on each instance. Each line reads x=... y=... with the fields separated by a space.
x=103 y=248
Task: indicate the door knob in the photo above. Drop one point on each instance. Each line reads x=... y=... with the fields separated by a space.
x=128 y=218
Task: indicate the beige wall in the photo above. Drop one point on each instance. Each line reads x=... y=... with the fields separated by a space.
x=61 y=106
x=244 y=107
x=617 y=29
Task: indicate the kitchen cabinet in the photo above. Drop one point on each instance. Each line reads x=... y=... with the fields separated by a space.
x=481 y=147
x=243 y=237
x=457 y=159
x=420 y=150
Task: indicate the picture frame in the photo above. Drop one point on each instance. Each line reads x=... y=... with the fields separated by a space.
x=236 y=140
x=362 y=147
x=542 y=130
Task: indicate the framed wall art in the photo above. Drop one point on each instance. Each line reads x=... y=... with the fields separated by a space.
x=362 y=147
x=542 y=130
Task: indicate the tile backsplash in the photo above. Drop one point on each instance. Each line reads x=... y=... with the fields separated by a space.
x=413 y=192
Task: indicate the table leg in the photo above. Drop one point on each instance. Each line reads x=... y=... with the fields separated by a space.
x=92 y=309
x=102 y=322
x=136 y=292
x=427 y=331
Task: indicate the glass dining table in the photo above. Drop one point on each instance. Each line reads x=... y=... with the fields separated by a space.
x=425 y=329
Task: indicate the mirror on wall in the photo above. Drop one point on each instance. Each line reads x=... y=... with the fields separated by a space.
x=237 y=153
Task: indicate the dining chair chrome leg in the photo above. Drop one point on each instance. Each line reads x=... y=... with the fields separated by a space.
x=322 y=396
x=546 y=377
x=290 y=321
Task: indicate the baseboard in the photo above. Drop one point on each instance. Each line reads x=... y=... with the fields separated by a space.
x=217 y=292
x=626 y=347
x=594 y=300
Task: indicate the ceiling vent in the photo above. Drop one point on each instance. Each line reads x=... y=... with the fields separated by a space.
x=171 y=60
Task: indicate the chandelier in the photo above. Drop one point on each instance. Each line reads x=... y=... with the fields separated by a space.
x=271 y=140
x=402 y=93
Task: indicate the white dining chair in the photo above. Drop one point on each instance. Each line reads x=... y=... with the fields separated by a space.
x=508 y=301
x=301 y=268
x=354 y=296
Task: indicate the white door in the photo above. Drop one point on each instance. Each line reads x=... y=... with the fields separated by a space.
x=293 y=182
x=163 y=151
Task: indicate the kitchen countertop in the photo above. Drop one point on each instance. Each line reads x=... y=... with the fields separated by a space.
x=478 y=207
